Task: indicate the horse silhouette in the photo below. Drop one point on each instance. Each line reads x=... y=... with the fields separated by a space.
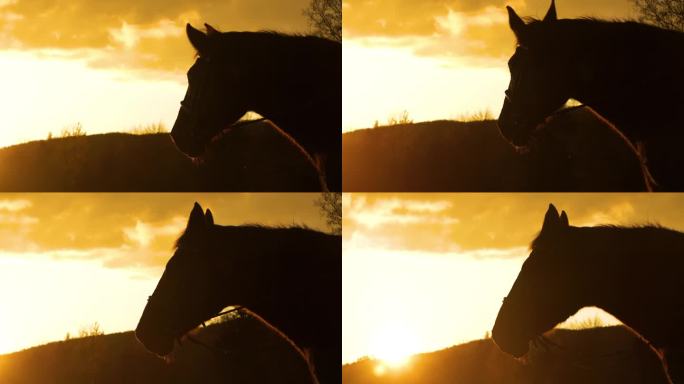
x=630 y=73
x=289 y=277
x=633 y=273
x=294 y=81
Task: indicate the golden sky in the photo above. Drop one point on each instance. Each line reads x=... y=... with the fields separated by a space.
x=111 y=65
x=80 y=258
x=438 y=58
x=423 y=272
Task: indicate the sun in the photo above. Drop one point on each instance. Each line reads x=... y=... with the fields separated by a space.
x=393 y=345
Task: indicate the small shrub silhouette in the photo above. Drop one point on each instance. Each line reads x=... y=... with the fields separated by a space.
x=149 y=129
x=75 y=130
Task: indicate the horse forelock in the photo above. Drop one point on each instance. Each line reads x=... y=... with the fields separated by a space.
x=185 y=235
x=181 y=239
x=535 y=242
x=544 y=238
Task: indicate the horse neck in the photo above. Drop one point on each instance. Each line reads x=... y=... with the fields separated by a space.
x=243 y=258
x=279 y=280
x=617 y=75
x=636 y=278
x=290 y=87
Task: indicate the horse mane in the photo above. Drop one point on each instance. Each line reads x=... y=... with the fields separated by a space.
x=287 y=35
x=616 y=229
x=303 y=353
x=595 y=31
x=273 y=35
x=533 y=20
x=248 y=227
x=582 y=20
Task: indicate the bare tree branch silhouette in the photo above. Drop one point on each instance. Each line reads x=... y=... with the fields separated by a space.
x=325 y=18
x=663 y=13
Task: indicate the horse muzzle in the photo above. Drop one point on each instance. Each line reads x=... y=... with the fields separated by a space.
x=510 y=340
x=155 y=342
x=515 y=349
x=156 y=336
x=517 y=134
x=184 y=138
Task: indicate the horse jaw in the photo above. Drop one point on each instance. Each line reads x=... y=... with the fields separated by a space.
x=516 y=348
x=155 y=343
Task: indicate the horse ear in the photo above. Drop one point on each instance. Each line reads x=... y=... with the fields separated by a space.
x=211 y=30
x=209 y=218
x=516 y=23
x=551 y=219
x=551 y=13
x=564 y=219
x=196 y=219
x=197 y=38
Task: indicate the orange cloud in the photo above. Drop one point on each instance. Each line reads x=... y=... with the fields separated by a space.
x=488 y=225
x=147 y=34
x=464 y=29
x=133 y=230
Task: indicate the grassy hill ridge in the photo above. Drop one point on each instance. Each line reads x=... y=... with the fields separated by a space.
x=254 y=354
x=597 y=355
x=249 y=158
x=574 y=152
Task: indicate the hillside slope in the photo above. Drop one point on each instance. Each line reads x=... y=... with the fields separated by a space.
x=250 y=158
x=575 y=152
x=598 y=355
x=254 y=355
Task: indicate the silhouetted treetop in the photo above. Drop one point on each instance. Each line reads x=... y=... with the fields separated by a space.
x=325 y=18
x=663 y=13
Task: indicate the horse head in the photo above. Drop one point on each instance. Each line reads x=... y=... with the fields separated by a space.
x=544 y=293
x=538 y=86
x=186 y=294
x=208 y=107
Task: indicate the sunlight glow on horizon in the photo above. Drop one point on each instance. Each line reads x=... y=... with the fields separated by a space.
x=86 y=291
x=46 y=94
x=394 y=344
x=382 y=82
x=396 y=304
x=382 y=367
